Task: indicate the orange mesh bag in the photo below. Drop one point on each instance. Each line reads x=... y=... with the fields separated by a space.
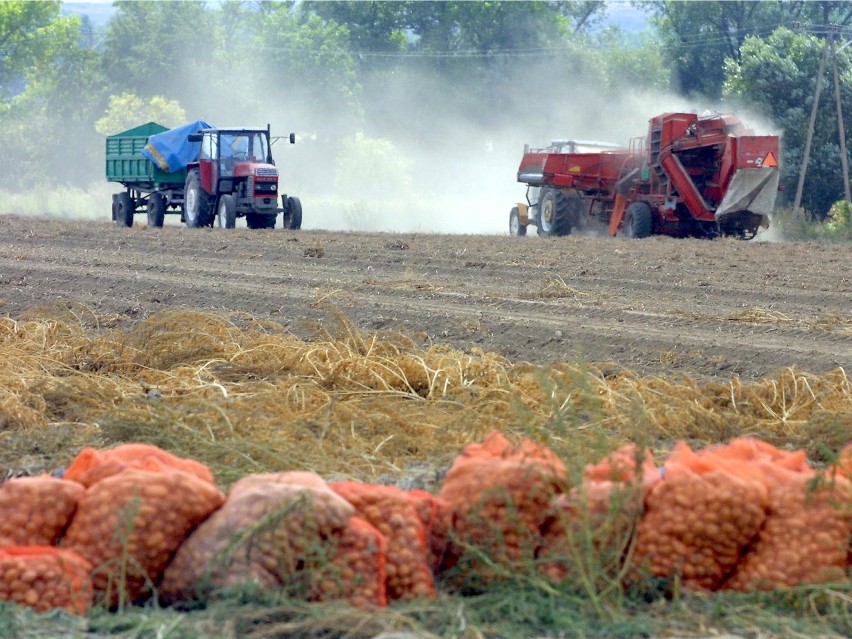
x=389 y=509
x=844 y=462
x=434 y=514
x=36 y=510
x=129 y=525
x=356 y=572
x=748 y=450
x=698 y=520
x=90 y=466
x=269 y=526
x=498 y=497
x=806 y=535
x=598 y=518
x=43 y=577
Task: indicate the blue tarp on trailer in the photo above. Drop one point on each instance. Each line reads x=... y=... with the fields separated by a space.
x=171 y=150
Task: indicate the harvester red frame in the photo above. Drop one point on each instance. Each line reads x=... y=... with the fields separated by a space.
x=692 y=175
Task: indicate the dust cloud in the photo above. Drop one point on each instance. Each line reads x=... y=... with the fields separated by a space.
x=449 y=151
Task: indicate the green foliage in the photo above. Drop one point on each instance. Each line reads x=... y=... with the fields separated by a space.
x=128 y=110
x=801 y=226
x=699 y=36
x=776 y=75
x=152 y=47
x=32 y=36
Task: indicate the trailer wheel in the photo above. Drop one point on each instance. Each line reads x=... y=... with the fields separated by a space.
x=226 y=213
x=515 y=226
x=554 y=213
x=124 y=210
x=260 y=221
x=638 y=222
x=193 y=201
x=156 y=210
x=292 y=213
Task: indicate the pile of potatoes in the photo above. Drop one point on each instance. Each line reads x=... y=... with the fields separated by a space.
x=124 y=522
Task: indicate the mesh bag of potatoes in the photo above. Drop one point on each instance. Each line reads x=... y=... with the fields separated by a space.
x=805 y=538
x=498 y=497
x=597 y=518
x=44 y=577
x=270 y=526
x=91 y=465
x=356 y=570
x=390 y=510
x=434 y=514
x=36 y=510
x=129 y=525
x=697 y=520
x=844 y=462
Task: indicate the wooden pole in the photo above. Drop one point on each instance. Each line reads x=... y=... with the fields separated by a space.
x=841 y=130
x=798 y=202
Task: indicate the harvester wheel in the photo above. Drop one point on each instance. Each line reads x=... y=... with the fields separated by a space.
x=554 y=213
x=226 y=213
x=194 y=201
x=292 y=213
x=156 y=210
x=515 y=226
x=124 y=210
x=260 y=221
x=638 y=221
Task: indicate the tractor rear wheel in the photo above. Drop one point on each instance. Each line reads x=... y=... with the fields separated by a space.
x=194 y=201
x=554 y=213
x=638 y=221
x=156 y=210
x=292 y=213
x=260 y=221
x=226 y=213
x=515 y=226
x=124 y=210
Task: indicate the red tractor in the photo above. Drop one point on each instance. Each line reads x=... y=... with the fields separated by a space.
x=235 y=176
x=692 y=175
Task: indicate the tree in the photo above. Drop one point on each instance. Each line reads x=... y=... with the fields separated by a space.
x=160 y=48
x=777 y=76
x=32 y=35
x=128 y=110
x=699 y=36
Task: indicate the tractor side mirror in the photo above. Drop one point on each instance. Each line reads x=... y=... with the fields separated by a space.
x=194 y=137
x=292 y=138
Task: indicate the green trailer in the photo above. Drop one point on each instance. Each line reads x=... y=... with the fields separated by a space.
x=147 y=187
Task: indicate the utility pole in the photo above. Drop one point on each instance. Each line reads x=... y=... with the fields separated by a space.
x=798 y=201
x=844 y=163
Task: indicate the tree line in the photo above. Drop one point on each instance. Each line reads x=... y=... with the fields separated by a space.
x=415 y=72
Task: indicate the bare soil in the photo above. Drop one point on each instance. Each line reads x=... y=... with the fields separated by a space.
x=707 y=309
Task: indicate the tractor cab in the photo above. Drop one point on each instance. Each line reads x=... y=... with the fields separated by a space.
x=238 y=162
x=235 y=176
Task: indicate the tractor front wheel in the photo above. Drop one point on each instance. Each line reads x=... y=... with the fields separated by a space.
x=226 y=213
x=124 y=210
x=292 y=213
x=515 y=226
x=638 y=221
x=156 y=210
x=194 y=201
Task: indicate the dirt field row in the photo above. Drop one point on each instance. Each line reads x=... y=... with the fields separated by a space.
x=656 y=306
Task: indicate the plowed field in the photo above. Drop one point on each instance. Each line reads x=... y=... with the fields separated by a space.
x=708 y=309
